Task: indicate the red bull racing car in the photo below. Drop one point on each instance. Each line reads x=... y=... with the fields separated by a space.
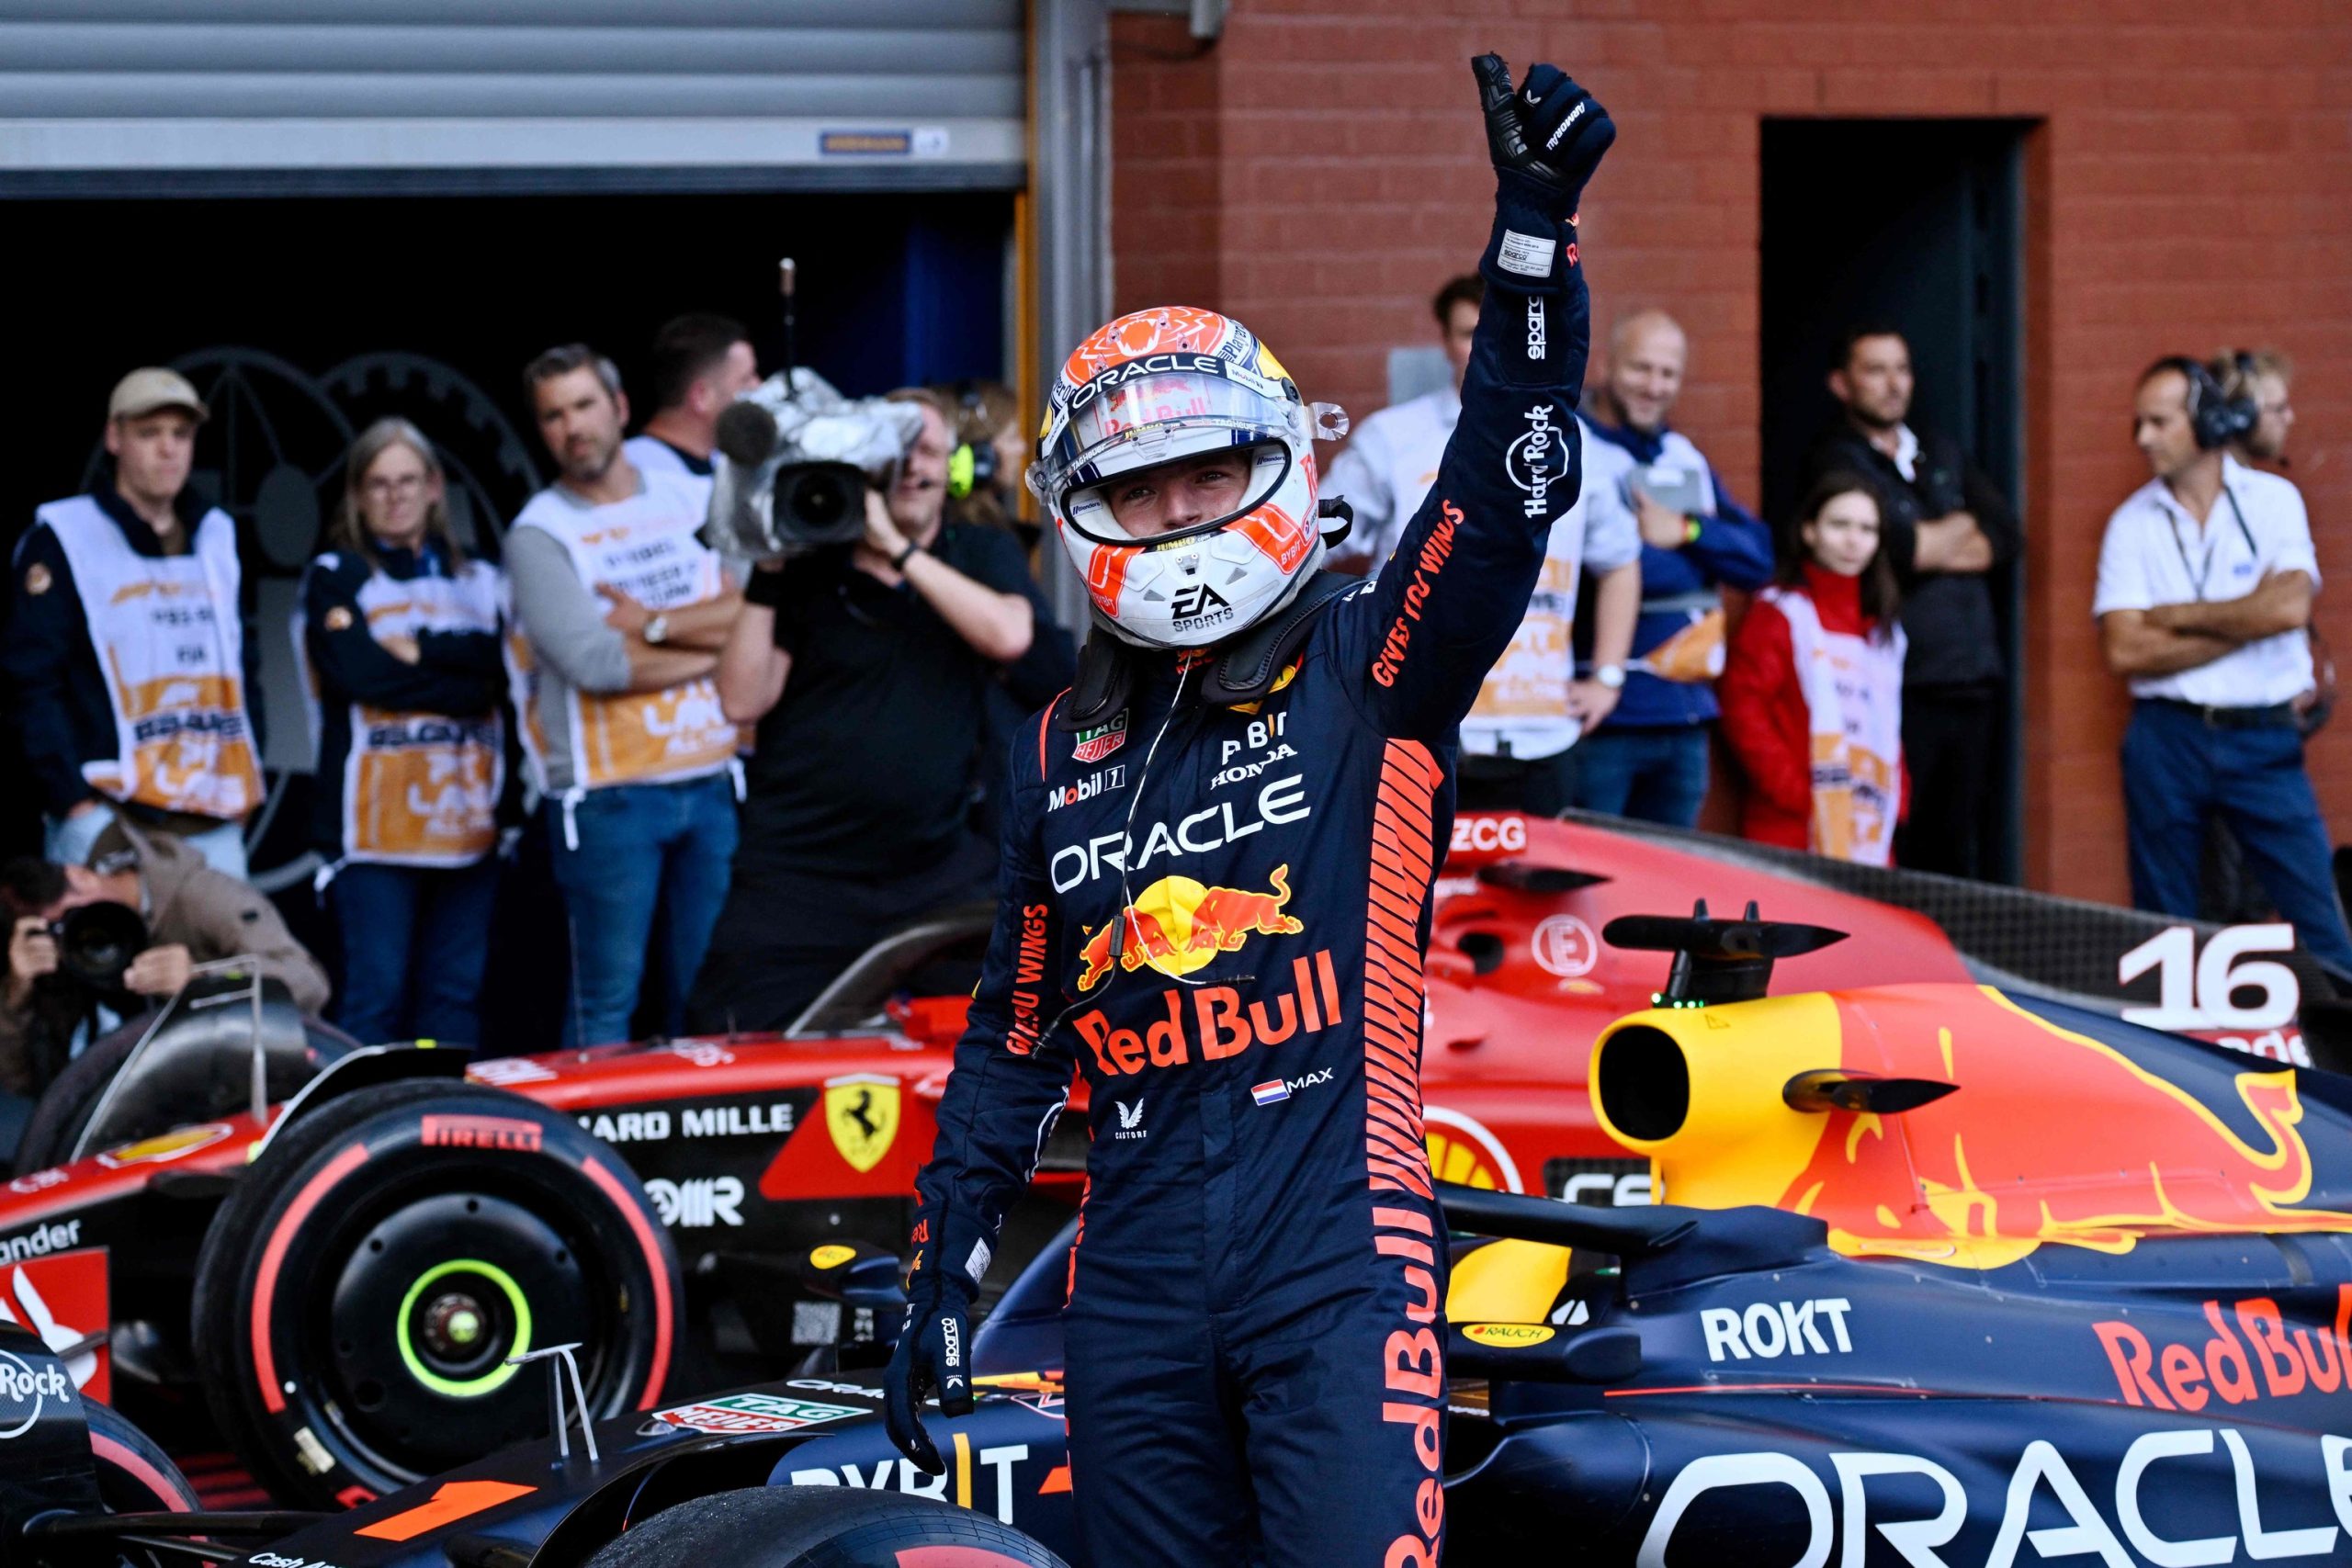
x=1943 y=1276
x=341 y=1265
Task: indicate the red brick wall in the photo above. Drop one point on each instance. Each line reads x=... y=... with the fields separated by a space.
x=1320 y=169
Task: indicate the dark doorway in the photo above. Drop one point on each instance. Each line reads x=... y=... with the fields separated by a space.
x=1918 y=224
x=302 y=318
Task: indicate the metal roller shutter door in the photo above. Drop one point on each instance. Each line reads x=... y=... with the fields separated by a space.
x=96 y=95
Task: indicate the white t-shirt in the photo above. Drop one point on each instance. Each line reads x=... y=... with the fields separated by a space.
x=653 y=453
x=1387 y=468
x=2155 y=553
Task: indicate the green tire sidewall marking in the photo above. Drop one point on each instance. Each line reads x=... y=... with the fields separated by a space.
x=491 y=1381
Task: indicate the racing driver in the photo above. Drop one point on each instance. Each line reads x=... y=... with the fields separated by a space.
x=1217 y=853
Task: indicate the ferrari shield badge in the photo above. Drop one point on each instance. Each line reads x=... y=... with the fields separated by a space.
x=862 y=1113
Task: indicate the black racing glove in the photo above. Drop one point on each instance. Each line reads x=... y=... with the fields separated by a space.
x=931 y=1356
x=933 y=1352
x=1546 y=137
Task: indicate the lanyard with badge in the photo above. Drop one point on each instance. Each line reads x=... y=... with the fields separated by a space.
x=2196 y=577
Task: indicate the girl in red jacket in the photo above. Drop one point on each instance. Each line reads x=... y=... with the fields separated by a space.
x=1812 y=689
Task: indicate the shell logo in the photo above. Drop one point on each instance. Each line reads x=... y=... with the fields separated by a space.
x=1464 y=1151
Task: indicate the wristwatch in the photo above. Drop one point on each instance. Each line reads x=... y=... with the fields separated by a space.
x=1609 y=675
x=657 y=632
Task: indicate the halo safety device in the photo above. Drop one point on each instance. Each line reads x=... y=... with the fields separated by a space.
x=1153 y=387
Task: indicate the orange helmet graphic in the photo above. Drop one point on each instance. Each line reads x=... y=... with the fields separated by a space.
x=1160 y=386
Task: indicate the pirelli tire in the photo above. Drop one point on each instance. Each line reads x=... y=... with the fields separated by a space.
x=820 y=1526
x=135 y=1476
x=359 y=1294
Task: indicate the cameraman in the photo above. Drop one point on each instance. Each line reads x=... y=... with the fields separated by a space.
x=193 y=914
x=866 y=669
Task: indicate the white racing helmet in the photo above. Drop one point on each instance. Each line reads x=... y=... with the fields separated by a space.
x=1152 y=388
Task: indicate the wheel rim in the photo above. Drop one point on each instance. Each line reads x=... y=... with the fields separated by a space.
x=426 y=1300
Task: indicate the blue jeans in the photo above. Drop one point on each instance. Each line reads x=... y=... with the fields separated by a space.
x=639 y=849
x=2178 y=770
x=415 y=943
x=1652 y=774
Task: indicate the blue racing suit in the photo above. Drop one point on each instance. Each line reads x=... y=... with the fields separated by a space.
x=1217 y=915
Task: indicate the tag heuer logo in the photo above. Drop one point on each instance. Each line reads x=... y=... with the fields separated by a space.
x=1095 y=744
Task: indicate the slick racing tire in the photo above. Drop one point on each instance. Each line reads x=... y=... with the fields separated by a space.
x=820 y=1526
x=135 y=1476
x=65 y=1105
x=359 y=1294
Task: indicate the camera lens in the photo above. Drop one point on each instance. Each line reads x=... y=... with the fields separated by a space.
x=820 y=501
x=96 y=943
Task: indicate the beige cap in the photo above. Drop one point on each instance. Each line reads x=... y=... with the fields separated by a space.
x=150 y=388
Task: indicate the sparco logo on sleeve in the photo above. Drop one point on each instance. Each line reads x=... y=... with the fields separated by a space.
x=1538 y=342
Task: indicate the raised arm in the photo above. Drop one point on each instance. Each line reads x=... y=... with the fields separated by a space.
x=1458 y=585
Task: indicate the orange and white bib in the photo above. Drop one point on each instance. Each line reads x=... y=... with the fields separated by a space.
x=1853 y=693
x=172 y=651
x=420 y=788
x=646 y=547
x=1523 y=705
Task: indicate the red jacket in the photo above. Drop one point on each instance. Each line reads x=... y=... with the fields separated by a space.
x=1765 y=719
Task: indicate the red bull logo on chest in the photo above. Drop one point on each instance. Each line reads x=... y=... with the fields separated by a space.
x=1178 y=925
x=1215 y=1022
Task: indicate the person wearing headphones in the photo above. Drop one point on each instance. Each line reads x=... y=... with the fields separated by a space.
x=1214 y=898
x=2205 y=582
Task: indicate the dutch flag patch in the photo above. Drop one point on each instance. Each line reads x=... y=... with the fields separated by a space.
x=1271 y=1092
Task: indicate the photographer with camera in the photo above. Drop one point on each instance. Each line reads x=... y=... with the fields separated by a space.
x=865 y=667
x=89 y=944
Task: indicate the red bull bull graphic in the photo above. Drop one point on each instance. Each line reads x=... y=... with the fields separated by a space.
x=2050 y=1137
x=1178 y=925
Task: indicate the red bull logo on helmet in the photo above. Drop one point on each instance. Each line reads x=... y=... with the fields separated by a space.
x=1178 y=925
